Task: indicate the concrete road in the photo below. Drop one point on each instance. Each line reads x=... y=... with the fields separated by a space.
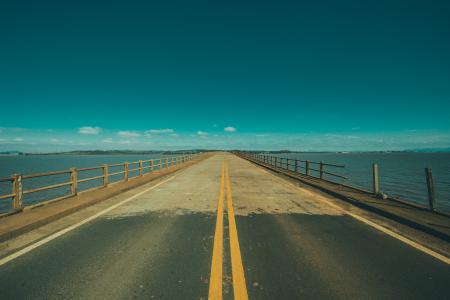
x=267 y=240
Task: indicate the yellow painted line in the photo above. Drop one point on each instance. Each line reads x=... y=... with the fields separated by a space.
x=74 y=226
x=237 y=269
x=383 y=229
x=215 y=280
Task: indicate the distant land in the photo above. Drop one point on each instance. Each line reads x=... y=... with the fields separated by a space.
x=170 y=152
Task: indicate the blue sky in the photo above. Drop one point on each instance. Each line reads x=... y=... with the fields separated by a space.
x=300 y=75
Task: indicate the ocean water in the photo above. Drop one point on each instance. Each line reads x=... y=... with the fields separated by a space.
x=401 y=174
x=32 y=164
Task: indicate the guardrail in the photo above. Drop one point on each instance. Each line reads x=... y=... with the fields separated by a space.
x=295 y=165
x=142 y=167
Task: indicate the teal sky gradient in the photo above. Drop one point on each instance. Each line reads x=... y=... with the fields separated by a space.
x=285 y=74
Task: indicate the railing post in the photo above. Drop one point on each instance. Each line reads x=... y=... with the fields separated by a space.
x=275 y=162
x=140 y=168
x=430 y=186
x=321 y=170
x=150 y=166
x=296 y=166
x=167 y=163
x=287 y=164
x=105 y=175
x=376 y=185
x=307 y=167
x=125 y=169
x=18 y=191
x=74 y=179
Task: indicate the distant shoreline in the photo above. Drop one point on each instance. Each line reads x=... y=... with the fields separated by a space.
x=176 y=152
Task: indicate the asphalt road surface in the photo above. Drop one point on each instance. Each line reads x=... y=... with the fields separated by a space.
x=222 y=228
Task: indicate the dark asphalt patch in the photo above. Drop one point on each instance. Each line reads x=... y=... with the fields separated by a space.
x=151 y=256
x=296 y=256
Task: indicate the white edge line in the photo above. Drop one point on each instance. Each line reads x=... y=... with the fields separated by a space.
x=383 y=229
x=74 y=226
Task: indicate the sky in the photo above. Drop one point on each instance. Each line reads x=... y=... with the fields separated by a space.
x=263 y=75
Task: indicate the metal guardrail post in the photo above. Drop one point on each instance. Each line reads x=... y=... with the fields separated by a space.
x=18 y=191
x=275 y=162
x=105 y=175
x=296 y=166
x=307 y=167
x=74 y=179
x=430 y=186
x=151 y=166
x=125 y=169
x=321 y=170
x=287 y=164
x=140 y=168
x=376 y=184
x=167 y=163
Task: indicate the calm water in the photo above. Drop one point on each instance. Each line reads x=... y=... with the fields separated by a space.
x=45 y=163
x=402 y=175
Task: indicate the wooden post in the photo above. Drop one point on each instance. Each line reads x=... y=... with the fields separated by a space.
x=105 y=175
x=18 y=191
x=321 y=170
x=296 y=166
x=167 y=163
x=376 y=185
x=125 y=168
x=140 y=168
x=307 y=167
x=151 y=166
x=74 y=179
x=430 y=186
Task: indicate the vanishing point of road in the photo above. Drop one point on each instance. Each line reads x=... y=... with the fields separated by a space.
x=220 y=228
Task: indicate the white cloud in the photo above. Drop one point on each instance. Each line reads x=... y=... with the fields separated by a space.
x=166 y=130
x=229 y=129
x=108 y=140
x=89 y=130
x=126 y=142
x=201 y=133
x=126 y=133
x=174 y=135
x=18 y=139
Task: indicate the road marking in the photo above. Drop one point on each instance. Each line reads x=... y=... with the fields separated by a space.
x=394 y=235
x=383 y=229
x=72 y=227
x=215 y=280
x=237 y=269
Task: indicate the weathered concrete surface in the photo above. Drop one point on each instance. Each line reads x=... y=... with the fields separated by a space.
x=13 y=225
x=159 y=246
x=419 y=218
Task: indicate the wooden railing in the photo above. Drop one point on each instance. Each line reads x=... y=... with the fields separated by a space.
x=295 y=165
x=142 y=167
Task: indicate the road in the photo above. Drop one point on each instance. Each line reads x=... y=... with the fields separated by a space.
x=222 y=227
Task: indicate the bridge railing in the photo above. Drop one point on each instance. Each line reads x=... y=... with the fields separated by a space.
x=298 y=166
x=72 y=178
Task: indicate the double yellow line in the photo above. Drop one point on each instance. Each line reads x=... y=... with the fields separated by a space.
x=237 y=269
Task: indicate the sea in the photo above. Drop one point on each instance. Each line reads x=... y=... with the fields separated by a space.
x=401 y=174
x=34 y=164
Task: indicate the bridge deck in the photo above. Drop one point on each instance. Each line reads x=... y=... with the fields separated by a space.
x=157 y=241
